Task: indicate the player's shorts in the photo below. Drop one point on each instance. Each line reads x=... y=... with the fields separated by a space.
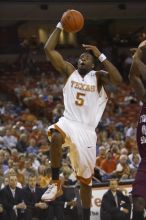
x=81 y=140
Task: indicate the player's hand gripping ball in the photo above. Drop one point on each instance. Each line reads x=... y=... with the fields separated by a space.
x=72 y=21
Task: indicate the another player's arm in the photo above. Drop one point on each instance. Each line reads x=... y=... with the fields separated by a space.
x=135 y=79
x=113 y=74
x=54 y=56
x=138 y=71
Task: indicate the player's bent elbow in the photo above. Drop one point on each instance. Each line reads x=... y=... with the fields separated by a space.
x=132 y=79
x=116 y=76
x=46 y=49
x=48 y=52
x=118 y=80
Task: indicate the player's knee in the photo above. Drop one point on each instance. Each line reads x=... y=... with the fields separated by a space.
x=57 y=138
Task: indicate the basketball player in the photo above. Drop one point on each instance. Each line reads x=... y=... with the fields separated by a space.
x=84 y=100
x=137 y=78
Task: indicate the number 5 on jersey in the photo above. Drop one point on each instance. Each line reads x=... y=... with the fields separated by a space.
x=79 y=99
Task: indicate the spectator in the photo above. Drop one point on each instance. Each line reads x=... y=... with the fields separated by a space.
x=122 y=169
x=2 y=212
x=6 y=178
x=32 y=198
x=56 y=209
x=28 y=169
x=22 y=143
x=124 y=151
x=134 y=165
x=115 y=149
x=62 y=205
x=12 y=200
x=3 y=166
x=115 y=205
x=44 y=176
x=9 y=140
x=108 y=165
x=101 y=156
x=68 y=175
x=5 y=182
x=133 y=153
x=131 y=131
x=34 y=161
x=32 y=146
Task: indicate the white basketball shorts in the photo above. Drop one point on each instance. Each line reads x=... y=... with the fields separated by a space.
x=81 y=140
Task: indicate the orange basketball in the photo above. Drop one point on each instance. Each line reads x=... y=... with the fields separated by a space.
x=72 y=21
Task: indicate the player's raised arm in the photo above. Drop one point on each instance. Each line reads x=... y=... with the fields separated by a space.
x=137 y=74
x=54 y=56
x=113 y=74
x=135 y=79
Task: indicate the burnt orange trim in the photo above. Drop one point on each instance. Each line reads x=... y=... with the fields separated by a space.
x=49 y=133
x=85 y=181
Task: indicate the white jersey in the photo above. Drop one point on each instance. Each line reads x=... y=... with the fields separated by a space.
x=82 y=101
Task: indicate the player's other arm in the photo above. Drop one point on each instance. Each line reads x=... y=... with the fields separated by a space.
x=135 y=79
x=113 y=74
x=54 y=56
x=138 y=72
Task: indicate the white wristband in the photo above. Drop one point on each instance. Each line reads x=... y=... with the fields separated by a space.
x=65 y=205
x=102 y=57
x=59 y=25
x=14 y=207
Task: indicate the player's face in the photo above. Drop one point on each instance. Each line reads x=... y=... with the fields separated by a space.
x=85 y=62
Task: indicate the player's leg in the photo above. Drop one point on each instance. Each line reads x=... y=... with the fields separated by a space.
x=83 y=158
x=55 y=189
x=86 y=194
x=55 y=153
x=138 y=208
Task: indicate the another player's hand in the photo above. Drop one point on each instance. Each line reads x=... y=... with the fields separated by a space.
x=140 y=52
x=92 y=48
x=1 y=209
x=133 y=51
x=142 y=48
x=142 y=45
